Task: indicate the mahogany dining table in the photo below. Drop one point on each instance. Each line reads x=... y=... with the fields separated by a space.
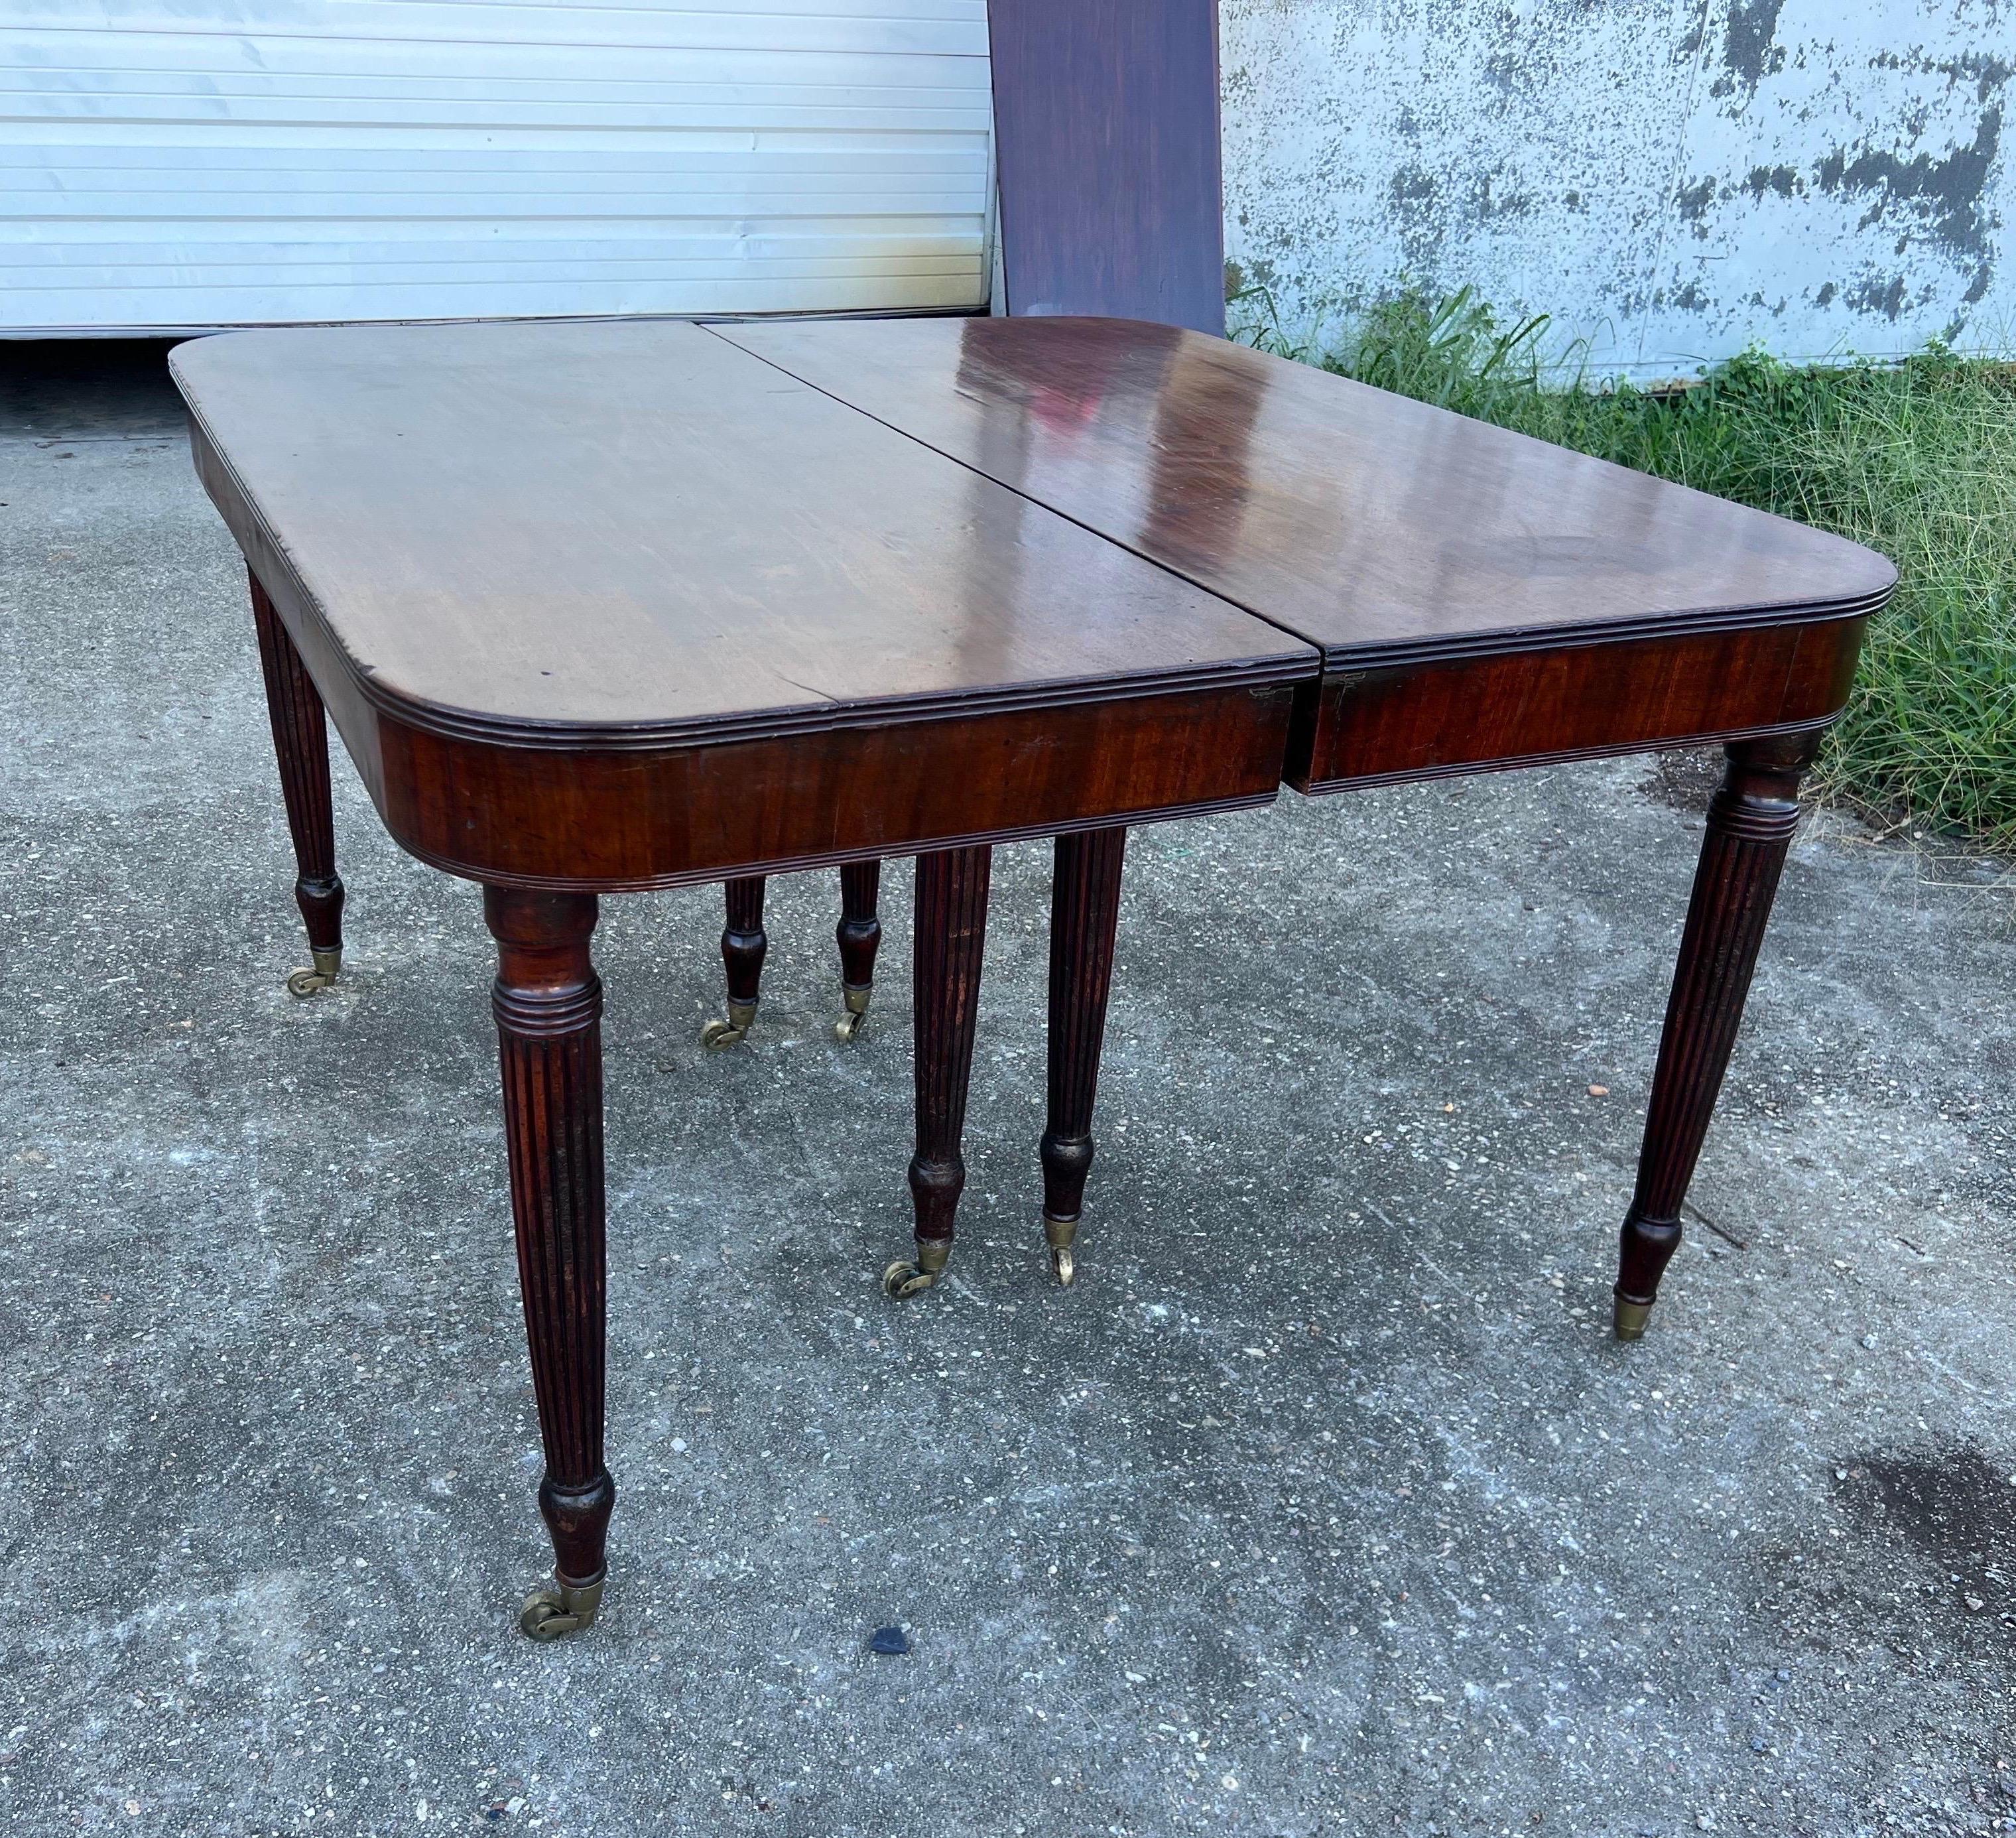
x=608 y=605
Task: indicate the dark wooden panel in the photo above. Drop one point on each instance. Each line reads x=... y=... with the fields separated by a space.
x=539 y=817
x=1423 y=721
x=1107 y=146
x=1382 y=529
x=622 y=533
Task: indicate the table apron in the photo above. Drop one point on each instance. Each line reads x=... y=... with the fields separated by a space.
x=545 y=817
x=1373 y=726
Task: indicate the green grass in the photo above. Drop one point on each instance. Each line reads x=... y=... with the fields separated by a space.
x=1916 y=459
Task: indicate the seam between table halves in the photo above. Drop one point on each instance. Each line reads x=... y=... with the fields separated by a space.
x=1217 y=593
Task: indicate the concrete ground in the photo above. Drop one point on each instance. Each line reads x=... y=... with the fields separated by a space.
x=1325 y=1504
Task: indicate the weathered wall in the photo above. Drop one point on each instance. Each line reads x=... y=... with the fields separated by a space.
x=1672 y=179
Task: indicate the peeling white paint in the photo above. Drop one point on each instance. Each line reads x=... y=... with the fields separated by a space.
x=1672 y=180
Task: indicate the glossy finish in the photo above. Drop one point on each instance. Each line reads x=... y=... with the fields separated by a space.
x=1569 y=702
x=1106 y=148
x=597 y=606
x=1750 y=825
x=1384 y=531
x=606 y=605
x=630 y=532
x=604 y=818
x=1480 y=598
x=600 y=606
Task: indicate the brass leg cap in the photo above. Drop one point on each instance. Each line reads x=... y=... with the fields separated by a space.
x=1628 y=1319
x=552 y=1614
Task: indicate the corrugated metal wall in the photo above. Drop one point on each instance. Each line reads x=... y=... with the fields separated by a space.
x=177 y=163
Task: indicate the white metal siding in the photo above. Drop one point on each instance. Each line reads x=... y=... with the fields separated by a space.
x=177 y=163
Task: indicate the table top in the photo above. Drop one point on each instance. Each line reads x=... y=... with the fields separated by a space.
x=1381 y=529
x=638 y=528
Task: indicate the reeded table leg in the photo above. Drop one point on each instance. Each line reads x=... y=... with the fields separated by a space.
x=744 y=944
x=951 y=939
x=1750 y=826
x=548 y=1005
x=1084 y=911
x=300 y=743
x=858 y=934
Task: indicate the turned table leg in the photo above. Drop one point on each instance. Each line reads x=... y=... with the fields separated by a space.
x=548 y=1005
x=1750 y=826
x=858 y=934
x=744 y=944
x=300 y=743
x=1085 y=912
x=951 y=939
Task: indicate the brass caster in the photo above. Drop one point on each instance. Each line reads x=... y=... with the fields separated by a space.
x=1628 y=1319
x=551 y=1614
x=304 y=983
x=718 y=1034
x=1063 y=1235
x=900 y=1281
x=850 y=1023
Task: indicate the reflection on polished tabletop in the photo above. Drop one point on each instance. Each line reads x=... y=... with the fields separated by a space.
x=576 y=528
x=1381 y=528
x=632 y=544
x=1480 y=598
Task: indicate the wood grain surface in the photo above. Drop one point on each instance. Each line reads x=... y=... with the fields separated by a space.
x=1383 y=530
x=556 y=531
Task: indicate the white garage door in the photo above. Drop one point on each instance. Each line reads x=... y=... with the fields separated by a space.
x=180 y=164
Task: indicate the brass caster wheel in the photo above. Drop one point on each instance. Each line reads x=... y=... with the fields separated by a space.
x=901 y=1281
x=719 y=1034
x=850 y=1024
x=553 y=1614
x=304 y=983
x=1062 y=1235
